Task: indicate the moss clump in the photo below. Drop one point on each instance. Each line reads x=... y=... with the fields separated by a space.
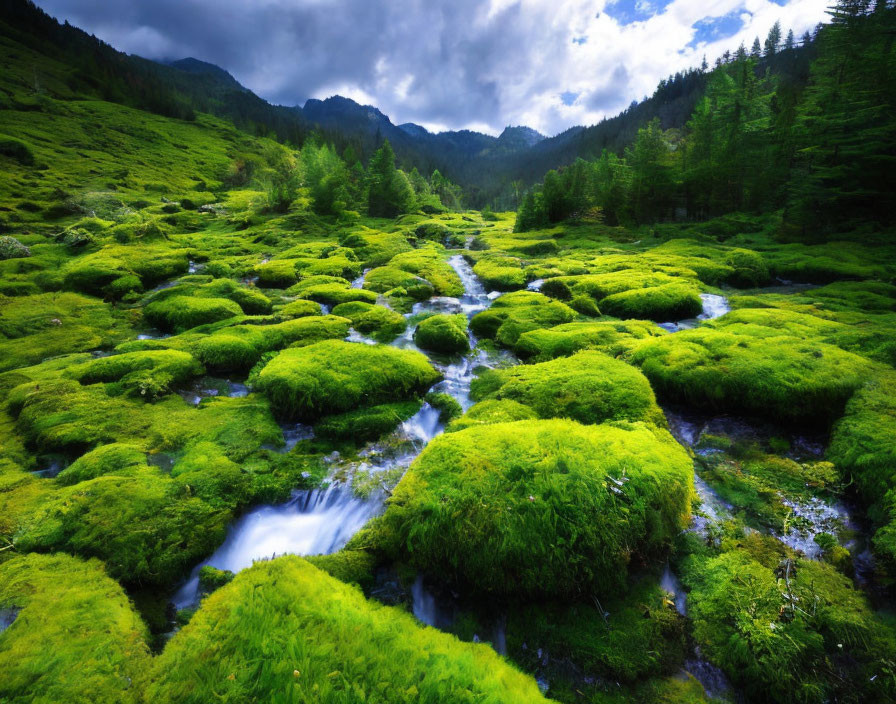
x=788 y=631
x=659 y=303
x=148 y=374
x=115 y=458
x=389 y=278
x=612 y=337
x=334 y=377
x=446 y=334
x=330 y=290
x=501 y=273
x=365 y=424
x=513 y=314
x=185 y=312
x=287 y=600
x=349 y=566
x=280 y=273
x=381 y=323
x=540 y=507
x=75 y=638
x=588 y=387
x=211 y=578
x=142 y=526
x=490 y=412
x=429 y=263
x=206 y=472
x=298 y=309
x=862 y=447
x=753 y=370
x=447 y=406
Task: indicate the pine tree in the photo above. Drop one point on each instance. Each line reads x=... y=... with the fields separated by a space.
x=773 y=40
x=388 y=190
x=756 y=51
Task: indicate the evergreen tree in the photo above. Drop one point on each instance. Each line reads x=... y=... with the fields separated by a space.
x=389 y=192
x=773 y=40
x=756 y=51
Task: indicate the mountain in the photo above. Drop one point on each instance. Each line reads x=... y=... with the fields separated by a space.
x=514 y=138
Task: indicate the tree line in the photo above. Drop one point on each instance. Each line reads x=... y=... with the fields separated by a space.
x=762 y=137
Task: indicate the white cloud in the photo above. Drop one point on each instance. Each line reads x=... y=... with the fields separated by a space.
x=447 y=64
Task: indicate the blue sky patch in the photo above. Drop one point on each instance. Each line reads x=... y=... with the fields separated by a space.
x=628 y=11
x=711 y=29
x=568 y=97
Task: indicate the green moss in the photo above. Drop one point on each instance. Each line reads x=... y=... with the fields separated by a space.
x=184 y=312
x=447 y=406
x=514 y=314
x=298 y=309
x=334 y=377
x=489 y=412
x=744 y=369
x=381 y=323
x=115 y=458
x=349 y=566
x=75 y=638
x=612 y=337
x=589 y=387
x=388 y=278
x=501 y=273
x=303 y=625
x=446 y=334
x=862 y=448
x=429 y=263
x=659 y=303
x=279 y=273
x=148 y=374
x=206 y=472
x=33 y=328
x=330 y=290
x=793 y=632
x=540 y=507
x=143 y=527
x=211 y=578
x=365 y=424
x=373 y=247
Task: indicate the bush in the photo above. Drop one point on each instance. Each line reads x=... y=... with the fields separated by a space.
x=75 y=637
x=334 y=377
x=446 y=334
x=286 y=624
x=537 y=508
x=589 y=387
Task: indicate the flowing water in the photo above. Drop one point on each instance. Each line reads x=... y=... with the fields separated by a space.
x=321 y=521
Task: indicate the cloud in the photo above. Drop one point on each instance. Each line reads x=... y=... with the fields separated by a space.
x=449 y=64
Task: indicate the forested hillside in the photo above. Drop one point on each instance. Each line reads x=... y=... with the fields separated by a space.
x=283 y=419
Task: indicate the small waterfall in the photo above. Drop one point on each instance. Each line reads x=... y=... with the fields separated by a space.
x=714 y=306
x=314 y=522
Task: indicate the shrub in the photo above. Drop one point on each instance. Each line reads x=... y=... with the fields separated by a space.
x=334 y=377
x=537 y=508
x=98 y=652
x=446 y=334
x=285 y=623
x=589 y=387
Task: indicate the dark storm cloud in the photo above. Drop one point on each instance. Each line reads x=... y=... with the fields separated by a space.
x=443 y=63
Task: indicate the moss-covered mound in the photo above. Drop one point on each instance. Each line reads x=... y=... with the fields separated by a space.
x=429 y=263
x=446 y=334
x=490 y=412
x=612 y=337
x=75 y=637
x=659 y=303
x=500 y=272
x=540 y=507
x=335 y=377
x=589 y=387
x=788 y=630
x=366 y=424
x=330 y=290
x=143 y=526
x=285 y=629
x=516 y=313
x=379 y=322
x=185 y=312
x=149 y=374
x=740 y=369
x=114 y=458
x=388 y=279
x=863 y=447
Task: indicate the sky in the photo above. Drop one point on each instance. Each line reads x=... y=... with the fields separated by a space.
x=445 y=64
